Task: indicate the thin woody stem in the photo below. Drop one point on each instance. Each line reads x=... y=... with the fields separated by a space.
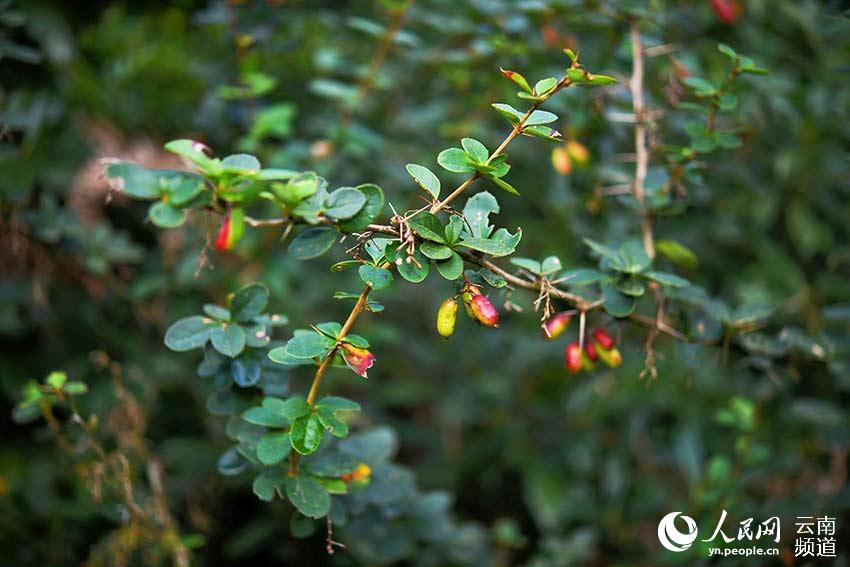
x=515 y=131
x=359 y=306
x=641 y=151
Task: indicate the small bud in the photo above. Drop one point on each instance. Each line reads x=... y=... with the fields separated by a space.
x=446 y=317
x=517 y=79
x=590 y=351
x=556 y=324
x=484 y=311
x=573 y=357
x=603 y=339
x=561 y=161
x=232 y=229
x=201 y=147
x=578 y=152
x=359 y=360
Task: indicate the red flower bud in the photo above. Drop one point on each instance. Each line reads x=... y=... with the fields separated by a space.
x=573 y=357
x=603 y=339
x=586 y=363
x=590 y=350
x=727 y=11
x=556 y=324
x=359 y=360
x=484 y=311
x=232 y=229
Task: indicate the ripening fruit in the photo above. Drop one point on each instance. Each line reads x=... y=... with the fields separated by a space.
x=484 y=311
x=446 y=317
x=232 y=229
x=605 y=348
x=602 y=337
x=611 y=357
x=561 y=161
x=359 y=360
x=578 y=153
x=360 y=473
x=590 y=351
x=586 y=363
x=728 y=11
x=556 y=324
x=573 y=357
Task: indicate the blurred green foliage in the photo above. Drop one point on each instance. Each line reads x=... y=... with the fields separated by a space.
x=520 y=464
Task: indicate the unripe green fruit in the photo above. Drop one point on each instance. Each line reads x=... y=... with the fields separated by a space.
x=446 y=317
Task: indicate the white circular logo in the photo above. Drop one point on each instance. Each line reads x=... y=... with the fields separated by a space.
x=672 y=538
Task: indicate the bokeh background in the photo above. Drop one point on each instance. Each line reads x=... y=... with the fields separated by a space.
x=534 y=467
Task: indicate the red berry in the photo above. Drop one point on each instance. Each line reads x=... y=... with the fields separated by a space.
x=603 y=339
x=591 y=351
x=572 y=354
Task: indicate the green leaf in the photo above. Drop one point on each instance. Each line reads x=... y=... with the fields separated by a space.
x=544 y=132
x=494 y=280
x=602 y=250
x=540 y=117
x=135 y=181
x=728 y=51
x=475 y=149
x=313 y=242
x=273 y=448
x=356 y=340
x=188 y=333
x=190 y=150
x=75 y=388
x=532 y=266
x=297 y=189
x=477 y=212
x=543 y=86
x=290 y=408
x=502 y=184
x=551 y=264
x=425 y=178
x=306 y=434
x=249 y=301
x=667 y=279
x=308 y=496
x=56 y=379
x=631 y=287
x=677 y=253
x=453 y=229
x=344 y=203
x=633 y=257
x=308 y=345
x=164 y=215
x=335 y=426
x=582 y=277
x=368 y=213
x=428 y=226
x=616 y=303
x=410 y=270
x=264 y=415
x=455 y=160
x=376 y=278
x=265 y=484
x=435 y=251
x=517 y=79
x=512 y=114
x=240 y=163
x=331 y=465
x=702 y=87
x=502 y=243
x=276 y=174
x=452 y=268
x=337 y=403
x=228 y=339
